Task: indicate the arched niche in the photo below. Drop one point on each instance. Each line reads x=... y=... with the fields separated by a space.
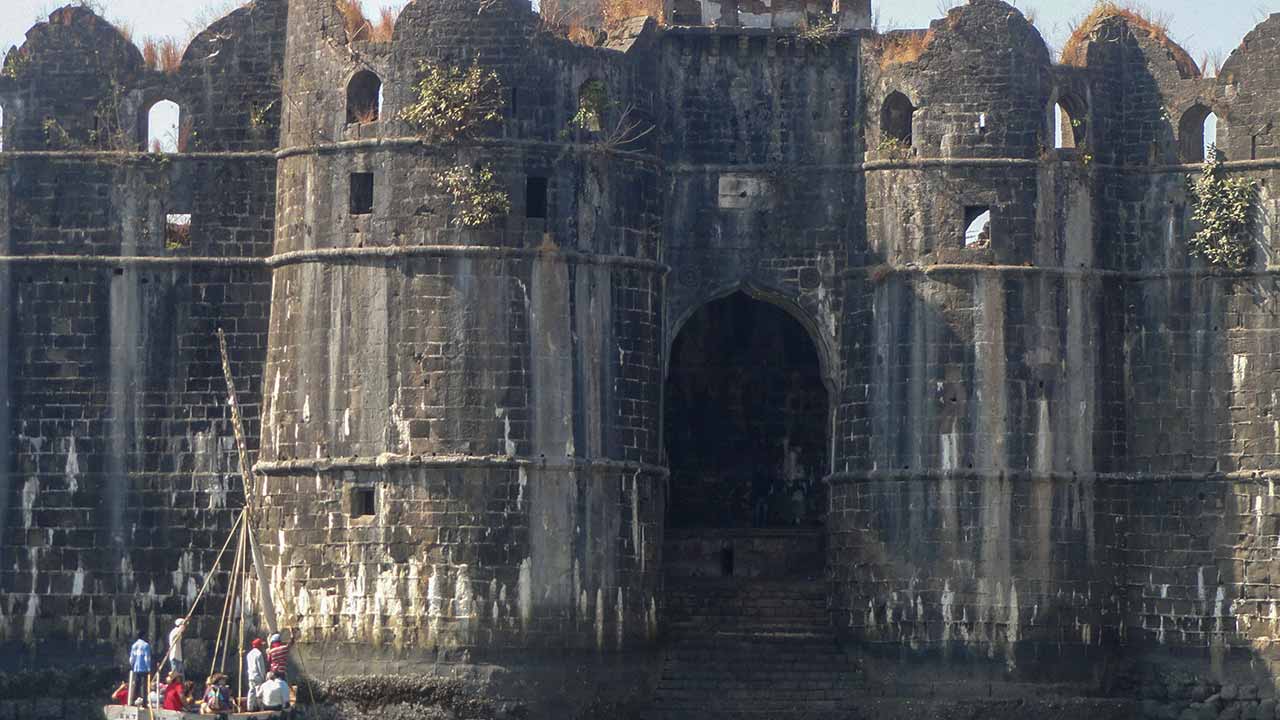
x=1068 y=123
x=364 y=97
x=896 y=117
x=1197 y=132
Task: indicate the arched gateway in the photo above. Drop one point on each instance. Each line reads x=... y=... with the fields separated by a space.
x=746 y=427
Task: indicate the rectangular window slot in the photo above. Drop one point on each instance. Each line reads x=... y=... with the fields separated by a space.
x=177 y=231
x=362 y=502
x=535 y=197
x=361 y=193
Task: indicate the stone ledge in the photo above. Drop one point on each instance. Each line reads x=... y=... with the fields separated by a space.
x=389 y=461
x=852 y=478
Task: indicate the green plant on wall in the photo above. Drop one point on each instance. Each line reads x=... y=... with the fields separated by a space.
x=1223 y=207
x=55 y=136
x=891 y=148
x=15 y=64
x=821 y=29
x=453 y=102
x=478 y=197
x=593 y=100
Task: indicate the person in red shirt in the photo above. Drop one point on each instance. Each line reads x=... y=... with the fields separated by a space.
x=174 y=697
x=121 y=695
x=278 y=656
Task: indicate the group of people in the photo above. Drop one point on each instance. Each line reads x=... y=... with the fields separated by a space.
x=266 y=675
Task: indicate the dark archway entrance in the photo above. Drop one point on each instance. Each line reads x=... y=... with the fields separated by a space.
x=747 y=433
x=746 y=420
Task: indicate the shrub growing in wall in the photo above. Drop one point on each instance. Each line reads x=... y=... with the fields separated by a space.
x=1224 y=209
x=478 y=198
x=453 y=102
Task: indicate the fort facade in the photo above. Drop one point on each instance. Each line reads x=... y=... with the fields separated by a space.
x=908 y=321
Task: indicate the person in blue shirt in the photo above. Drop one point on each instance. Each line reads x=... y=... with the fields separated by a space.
x=139 y=666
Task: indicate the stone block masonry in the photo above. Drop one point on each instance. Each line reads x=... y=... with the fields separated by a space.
x=1030 y=441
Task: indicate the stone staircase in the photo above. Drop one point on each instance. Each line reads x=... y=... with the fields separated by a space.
x=751 y=648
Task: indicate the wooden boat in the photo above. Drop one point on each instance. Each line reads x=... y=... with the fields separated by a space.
x=127 y=712
x=247 y=555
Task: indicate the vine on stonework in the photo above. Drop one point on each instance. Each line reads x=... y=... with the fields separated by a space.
x=1223 y=207
x=479 y=198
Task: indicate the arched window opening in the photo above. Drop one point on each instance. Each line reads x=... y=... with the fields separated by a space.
x=977 y=227
x=746 y=421
x=1197 y=132
x=364 y=98
x=1068 y=126
x=1210 y=129
x=895 y=121
x=164 y=128
x=593 y=100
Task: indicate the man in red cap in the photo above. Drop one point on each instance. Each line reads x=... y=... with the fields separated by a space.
x=255 y=662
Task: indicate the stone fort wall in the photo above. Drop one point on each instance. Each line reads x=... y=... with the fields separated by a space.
x=1049 y=450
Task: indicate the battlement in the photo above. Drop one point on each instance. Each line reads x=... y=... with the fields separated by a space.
x=110 y=91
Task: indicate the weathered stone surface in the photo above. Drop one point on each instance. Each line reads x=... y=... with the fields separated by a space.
x=1037 y=459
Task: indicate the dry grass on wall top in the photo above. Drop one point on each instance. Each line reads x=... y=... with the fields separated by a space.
x=1140 y=20
x=163 y=54
x=359 y=27
x=576 y=20
x=614 y=12
x=904 y=47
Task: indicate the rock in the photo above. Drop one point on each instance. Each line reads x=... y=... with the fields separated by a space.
x=1267 y=709
x=1230 y=692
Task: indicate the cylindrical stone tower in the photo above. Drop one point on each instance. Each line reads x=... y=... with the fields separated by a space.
x=963 y=501
x=460 y=422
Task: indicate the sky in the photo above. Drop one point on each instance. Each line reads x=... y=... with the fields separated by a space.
x=1204 y=28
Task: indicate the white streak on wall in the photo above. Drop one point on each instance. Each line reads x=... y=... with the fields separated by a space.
x=524 y=592
x=1044 y=439
x=72 y=470
x=622 y=614
x=30 y=489
x=509 y=445
x=1239 y=372
x=600 y=618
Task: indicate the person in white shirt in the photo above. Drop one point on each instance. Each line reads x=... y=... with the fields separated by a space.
x=274 y=693
x=255 y=670
x=175 y=646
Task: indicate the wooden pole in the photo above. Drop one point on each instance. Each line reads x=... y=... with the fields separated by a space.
x=237 y=423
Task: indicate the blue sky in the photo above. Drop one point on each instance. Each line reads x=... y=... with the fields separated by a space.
x=1199 y=26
